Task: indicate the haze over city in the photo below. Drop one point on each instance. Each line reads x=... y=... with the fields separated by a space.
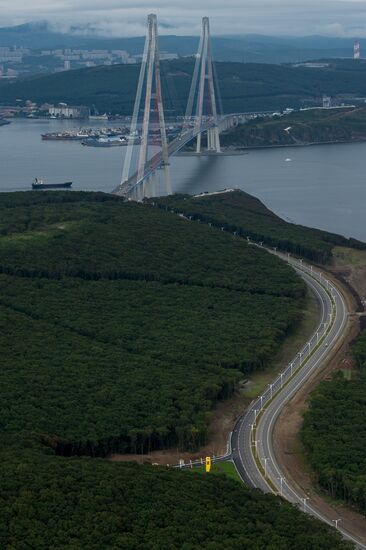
x=342 y=18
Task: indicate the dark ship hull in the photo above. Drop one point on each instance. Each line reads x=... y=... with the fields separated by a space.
x=52 y=185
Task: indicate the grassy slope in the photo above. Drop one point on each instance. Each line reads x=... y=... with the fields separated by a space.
x=244 y=87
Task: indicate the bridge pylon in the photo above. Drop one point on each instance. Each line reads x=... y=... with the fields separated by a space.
x=150 y=82
x=204 y=74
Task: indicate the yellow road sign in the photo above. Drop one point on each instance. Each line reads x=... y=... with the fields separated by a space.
x=208 y=464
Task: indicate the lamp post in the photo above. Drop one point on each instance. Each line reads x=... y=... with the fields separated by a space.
x=282 y=479
x=304 y=500
x=336 y=521
x=265 y=466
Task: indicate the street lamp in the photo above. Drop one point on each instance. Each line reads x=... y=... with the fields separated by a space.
x=256 y=441
x=336 y=521
x=317 y=337
x=300 y=354
x=261 y=398
x=255 y=416
x=282 y=479
x=251 y=432
x=271 y=389
x=281 y=375
x=304 y=502
x=291 y=367
x=265 y=466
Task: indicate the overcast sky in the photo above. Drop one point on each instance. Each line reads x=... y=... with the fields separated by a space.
x=127 y=18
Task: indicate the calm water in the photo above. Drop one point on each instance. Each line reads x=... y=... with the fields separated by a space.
x=322 y=186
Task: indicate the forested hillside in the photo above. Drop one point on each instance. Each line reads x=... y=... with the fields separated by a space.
x=120 y=327
x=106 y=306
x=50 y=502
x=238 y=212
x=243 y=87
x=300 y=128
x=334 y=433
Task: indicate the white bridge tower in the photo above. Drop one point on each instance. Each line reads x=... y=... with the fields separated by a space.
x=204 y=74
x=149 y=74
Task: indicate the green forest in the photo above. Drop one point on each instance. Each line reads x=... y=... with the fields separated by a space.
x=240 y=213
x=300 y=128
x=334 y=432
x=244 y=87
x=121 y=326
x=53 y=502
x=105 y=306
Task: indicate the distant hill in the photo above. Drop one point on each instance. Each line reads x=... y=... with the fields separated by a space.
x=244 y=87
x=243 y=48
x=300 y=128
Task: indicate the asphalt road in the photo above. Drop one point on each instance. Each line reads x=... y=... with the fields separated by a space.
x=252 y=438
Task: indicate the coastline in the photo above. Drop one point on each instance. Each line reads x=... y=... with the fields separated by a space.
x=228 y=151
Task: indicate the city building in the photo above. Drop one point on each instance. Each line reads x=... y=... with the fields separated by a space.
x=62 y=110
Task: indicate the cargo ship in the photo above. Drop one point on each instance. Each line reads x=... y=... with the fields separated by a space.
x=39 y=184
x=105 y=142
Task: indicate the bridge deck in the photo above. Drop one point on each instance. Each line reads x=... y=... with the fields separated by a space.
x=153 y=164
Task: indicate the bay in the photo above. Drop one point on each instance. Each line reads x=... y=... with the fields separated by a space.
x=320 y=186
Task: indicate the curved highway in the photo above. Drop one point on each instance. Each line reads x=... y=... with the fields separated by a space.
x=252 y=439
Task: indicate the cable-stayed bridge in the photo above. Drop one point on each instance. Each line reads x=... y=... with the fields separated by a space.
x=140 y=183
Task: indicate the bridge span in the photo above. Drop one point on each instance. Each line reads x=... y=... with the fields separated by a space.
x=135 y=183
x=203 y=91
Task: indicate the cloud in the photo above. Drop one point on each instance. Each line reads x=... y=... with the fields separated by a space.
x=128 y=18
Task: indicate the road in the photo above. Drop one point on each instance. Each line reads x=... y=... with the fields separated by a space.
x=252 y=438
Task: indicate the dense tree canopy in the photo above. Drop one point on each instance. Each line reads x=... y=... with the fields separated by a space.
x=120 y=327
x=52 y=502
x=299 y=128
x=334 y=433
x=244 y=87
x=106 y=306
x=245 y=215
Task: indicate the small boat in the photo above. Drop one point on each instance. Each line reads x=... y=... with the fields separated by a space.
x=39 y=184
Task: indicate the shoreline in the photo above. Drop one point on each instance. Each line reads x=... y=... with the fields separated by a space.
x=245 y=149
